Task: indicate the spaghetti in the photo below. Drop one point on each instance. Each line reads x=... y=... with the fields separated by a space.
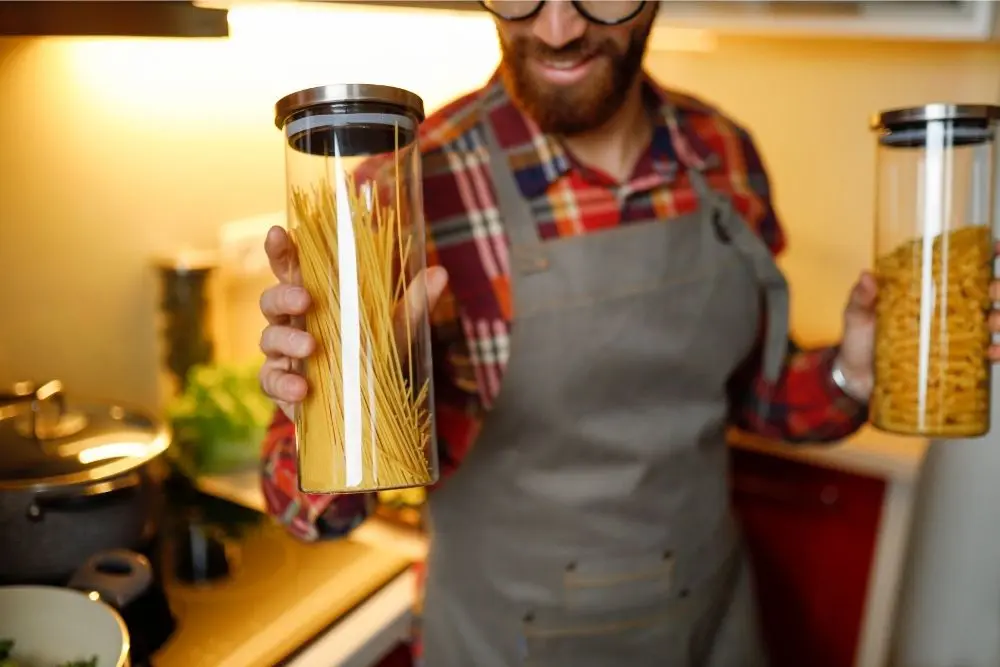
x=932 y=374
x=364 y=424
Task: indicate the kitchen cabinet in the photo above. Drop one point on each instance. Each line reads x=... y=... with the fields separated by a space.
x=934 y=20
x=131 y=18
x=812 y=536
x=931 y=20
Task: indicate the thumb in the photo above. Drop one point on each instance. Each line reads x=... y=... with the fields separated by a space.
x=281 y=255
x=862 y=298
x=420 y=298
x=437 y=281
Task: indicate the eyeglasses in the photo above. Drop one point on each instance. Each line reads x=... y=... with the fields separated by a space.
x=604 y=12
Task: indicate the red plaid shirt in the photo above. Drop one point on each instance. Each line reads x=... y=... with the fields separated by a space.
x=471 y=324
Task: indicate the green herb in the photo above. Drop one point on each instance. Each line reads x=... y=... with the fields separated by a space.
x=7 y=646
x=220 y=419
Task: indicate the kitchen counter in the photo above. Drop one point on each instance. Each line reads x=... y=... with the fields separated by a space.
x=281 y=594
x=359 y=638
x=869 y=452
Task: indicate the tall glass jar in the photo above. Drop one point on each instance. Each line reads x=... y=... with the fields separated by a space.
x=355 y=215
x=934 y=264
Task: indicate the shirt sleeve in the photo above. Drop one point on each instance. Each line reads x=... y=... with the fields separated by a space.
x=309 y=517
x=805 y=404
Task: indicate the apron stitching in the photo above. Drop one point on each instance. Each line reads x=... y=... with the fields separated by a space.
x=605 y=628
x=582 y=582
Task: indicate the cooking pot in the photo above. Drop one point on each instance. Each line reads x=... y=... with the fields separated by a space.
x=76 y=478
x=51 y=626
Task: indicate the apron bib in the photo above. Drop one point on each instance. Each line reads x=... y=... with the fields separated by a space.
x=590 y=523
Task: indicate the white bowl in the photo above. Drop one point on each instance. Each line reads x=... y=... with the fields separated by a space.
x=51 y=625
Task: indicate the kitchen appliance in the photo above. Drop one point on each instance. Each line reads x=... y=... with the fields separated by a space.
x=934 y=252
x=353 y=176
x=244 y=274
x=77 y=477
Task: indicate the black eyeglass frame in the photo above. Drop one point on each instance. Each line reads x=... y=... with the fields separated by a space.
x=577 y=5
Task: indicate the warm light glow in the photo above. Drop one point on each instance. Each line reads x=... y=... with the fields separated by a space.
x=690 y=40
x=279 y=47
x=115 y=450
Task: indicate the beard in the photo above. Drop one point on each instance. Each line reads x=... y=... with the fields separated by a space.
x=582 y=106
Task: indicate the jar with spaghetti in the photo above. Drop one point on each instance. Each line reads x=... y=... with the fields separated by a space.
x=934 y=264
x=355 y=216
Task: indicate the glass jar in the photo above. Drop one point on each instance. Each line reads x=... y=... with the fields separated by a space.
x=355 y=215
x=934 y=265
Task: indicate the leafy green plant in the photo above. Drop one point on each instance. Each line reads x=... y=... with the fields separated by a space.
x=220 y=419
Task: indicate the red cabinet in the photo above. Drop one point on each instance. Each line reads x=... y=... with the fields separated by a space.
x=811 y=533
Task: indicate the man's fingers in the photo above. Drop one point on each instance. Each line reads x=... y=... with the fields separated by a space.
x=281 y=255
x=421 y=296
x=279 y=302
x=437 y=281
x=280 y=384
x=285 y=341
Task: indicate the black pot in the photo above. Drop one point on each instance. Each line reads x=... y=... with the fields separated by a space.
x=76 y=478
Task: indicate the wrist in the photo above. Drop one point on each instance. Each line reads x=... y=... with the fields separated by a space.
x=855 y=384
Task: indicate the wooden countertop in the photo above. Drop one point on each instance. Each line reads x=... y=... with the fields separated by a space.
x=283 y=594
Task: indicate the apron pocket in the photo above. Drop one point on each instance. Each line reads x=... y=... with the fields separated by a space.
x=653 y=635
x=630 y=612
x=617 y=610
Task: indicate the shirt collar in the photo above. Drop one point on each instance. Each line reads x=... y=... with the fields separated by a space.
x=539 y=159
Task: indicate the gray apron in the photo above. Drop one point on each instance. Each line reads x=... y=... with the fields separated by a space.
x=590 y=524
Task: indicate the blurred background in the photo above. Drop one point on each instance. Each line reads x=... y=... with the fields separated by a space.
x=139 y=173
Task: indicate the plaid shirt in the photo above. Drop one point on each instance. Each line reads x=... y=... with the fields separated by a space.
x=471 y=323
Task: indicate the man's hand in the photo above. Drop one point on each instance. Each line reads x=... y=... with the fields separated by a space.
x=857 y=350
x=284 y=340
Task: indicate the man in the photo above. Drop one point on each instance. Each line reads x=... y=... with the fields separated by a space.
x=589 y=355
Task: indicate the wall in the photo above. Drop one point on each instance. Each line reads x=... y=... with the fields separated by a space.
x=115 y=151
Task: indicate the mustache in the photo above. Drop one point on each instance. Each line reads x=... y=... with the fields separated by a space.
x=577 y=49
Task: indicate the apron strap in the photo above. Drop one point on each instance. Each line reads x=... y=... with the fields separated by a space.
x=527 y=253
x=766 y=271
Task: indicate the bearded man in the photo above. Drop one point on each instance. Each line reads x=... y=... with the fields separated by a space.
x=605 y=304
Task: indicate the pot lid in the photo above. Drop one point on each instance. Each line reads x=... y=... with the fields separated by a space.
x=47 y=439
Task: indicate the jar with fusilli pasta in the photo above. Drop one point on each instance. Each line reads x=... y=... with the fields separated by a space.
x=353 y=177
x=934 y=264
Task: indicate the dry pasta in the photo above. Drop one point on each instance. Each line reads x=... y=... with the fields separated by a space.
x=932 y=376
x=367 y=427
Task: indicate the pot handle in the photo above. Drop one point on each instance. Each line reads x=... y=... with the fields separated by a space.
x=25 y=392
x=81 y=497
x=117 y=577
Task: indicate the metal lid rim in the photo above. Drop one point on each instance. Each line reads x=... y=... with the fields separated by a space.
x=347 y=92
x=937 y=111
